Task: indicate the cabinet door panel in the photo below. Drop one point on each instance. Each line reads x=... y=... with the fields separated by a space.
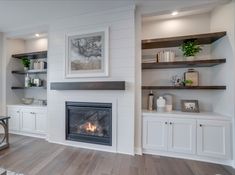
x=213 y=138
x=182 y=136
x=14 y=121
x=41 y=123
x=28 y=121
x=155 y=133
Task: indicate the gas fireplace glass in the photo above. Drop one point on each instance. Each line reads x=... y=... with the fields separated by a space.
x=89 y=122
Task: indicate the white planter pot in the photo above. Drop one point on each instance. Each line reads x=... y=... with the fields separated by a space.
x=190 y=58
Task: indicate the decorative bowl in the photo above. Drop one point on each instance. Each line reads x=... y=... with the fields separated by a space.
x=27 y=101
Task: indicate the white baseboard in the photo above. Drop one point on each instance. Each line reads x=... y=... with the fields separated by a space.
x=40 y=136
x=190 y=157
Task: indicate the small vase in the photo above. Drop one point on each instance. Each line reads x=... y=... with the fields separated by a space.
x=190 y=58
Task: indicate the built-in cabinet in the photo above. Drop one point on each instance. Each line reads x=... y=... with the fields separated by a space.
x=213 y=138
x=187 y=135
x=27 y=120
x=168 y=134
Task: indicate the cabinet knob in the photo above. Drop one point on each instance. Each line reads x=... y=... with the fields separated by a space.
x=200 y=125
x=166 y=123
x=171 y=123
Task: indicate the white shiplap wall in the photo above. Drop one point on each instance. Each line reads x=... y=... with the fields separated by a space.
x=122 y=59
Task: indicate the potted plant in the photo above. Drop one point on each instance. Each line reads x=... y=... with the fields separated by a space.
x=26 y=62
x=190 y=49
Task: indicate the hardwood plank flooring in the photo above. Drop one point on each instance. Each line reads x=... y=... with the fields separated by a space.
x=33 y=156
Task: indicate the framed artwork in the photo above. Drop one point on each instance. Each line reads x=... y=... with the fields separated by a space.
x=189 y=106
x=87 y=54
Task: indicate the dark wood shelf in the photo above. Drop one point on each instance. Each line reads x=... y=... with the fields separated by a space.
x=21 y=87
x=184 y=87
x=44 y=71
x=100 y=85
x=206 y=38
x=183 y=64
x=31 y=55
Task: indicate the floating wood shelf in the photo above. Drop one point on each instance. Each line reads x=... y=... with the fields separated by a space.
x=31 y=55
x=101 y=85
x=19 y=87
x=44 y=71
x=206 y=38
x=183 y=64
x=184 y=87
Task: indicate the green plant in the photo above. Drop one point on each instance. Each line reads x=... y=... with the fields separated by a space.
x=26 y=62
x=187 y=82
x=190 y=48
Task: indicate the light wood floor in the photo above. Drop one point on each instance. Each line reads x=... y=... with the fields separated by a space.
x=33 y=156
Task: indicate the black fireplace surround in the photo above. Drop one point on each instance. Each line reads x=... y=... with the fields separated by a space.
x=89 y=122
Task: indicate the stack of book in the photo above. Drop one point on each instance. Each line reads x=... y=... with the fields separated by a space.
x=166 y=56
x=149 y=60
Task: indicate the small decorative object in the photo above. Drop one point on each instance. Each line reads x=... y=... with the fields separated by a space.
x=161 y=104
x=27 y=81
x=37 y=82
x=26 y=62
x=169 y=102
x=166 y=56
x=190 y=49
x=191 y=78
x=87 y=54
x=176 y=80
x=189 y=106
x=150 y=101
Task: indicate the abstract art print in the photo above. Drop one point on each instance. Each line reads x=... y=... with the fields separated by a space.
x=87 y=54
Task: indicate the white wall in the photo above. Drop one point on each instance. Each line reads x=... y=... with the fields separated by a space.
x=122 y=67
x=224 y=49
x=36 y=44
x=187 y=25
x=223 y=18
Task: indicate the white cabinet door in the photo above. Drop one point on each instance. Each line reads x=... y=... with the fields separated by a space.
x=182 y=136
x=41 y=122
x=213 y=138
x=28 y=122
x=14 y=121
x=155 y=133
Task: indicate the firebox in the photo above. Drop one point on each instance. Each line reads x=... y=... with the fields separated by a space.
x=89 y=122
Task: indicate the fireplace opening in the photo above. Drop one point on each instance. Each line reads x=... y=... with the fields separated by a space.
x=89 y=122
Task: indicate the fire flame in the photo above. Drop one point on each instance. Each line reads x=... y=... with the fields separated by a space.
x=90 y=127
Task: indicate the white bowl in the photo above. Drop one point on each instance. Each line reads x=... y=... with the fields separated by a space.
x=27 y=101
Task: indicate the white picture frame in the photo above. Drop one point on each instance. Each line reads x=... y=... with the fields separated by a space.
x=87 y=53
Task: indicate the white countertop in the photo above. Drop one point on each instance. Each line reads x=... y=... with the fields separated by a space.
x=177 y=114
x=29 y=106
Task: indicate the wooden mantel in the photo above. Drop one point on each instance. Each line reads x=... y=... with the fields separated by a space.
x=95 y=85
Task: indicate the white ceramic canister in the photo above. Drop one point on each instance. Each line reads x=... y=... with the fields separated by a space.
x=161 y=104
x=169 y=102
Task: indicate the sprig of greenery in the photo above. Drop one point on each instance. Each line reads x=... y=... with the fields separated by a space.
x=189 y=82
x=26 y=62
x=190 y=48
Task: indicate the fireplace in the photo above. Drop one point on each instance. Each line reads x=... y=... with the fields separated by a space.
x=89 y=122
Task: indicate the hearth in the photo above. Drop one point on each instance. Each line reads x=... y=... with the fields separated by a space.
x=89 y=122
